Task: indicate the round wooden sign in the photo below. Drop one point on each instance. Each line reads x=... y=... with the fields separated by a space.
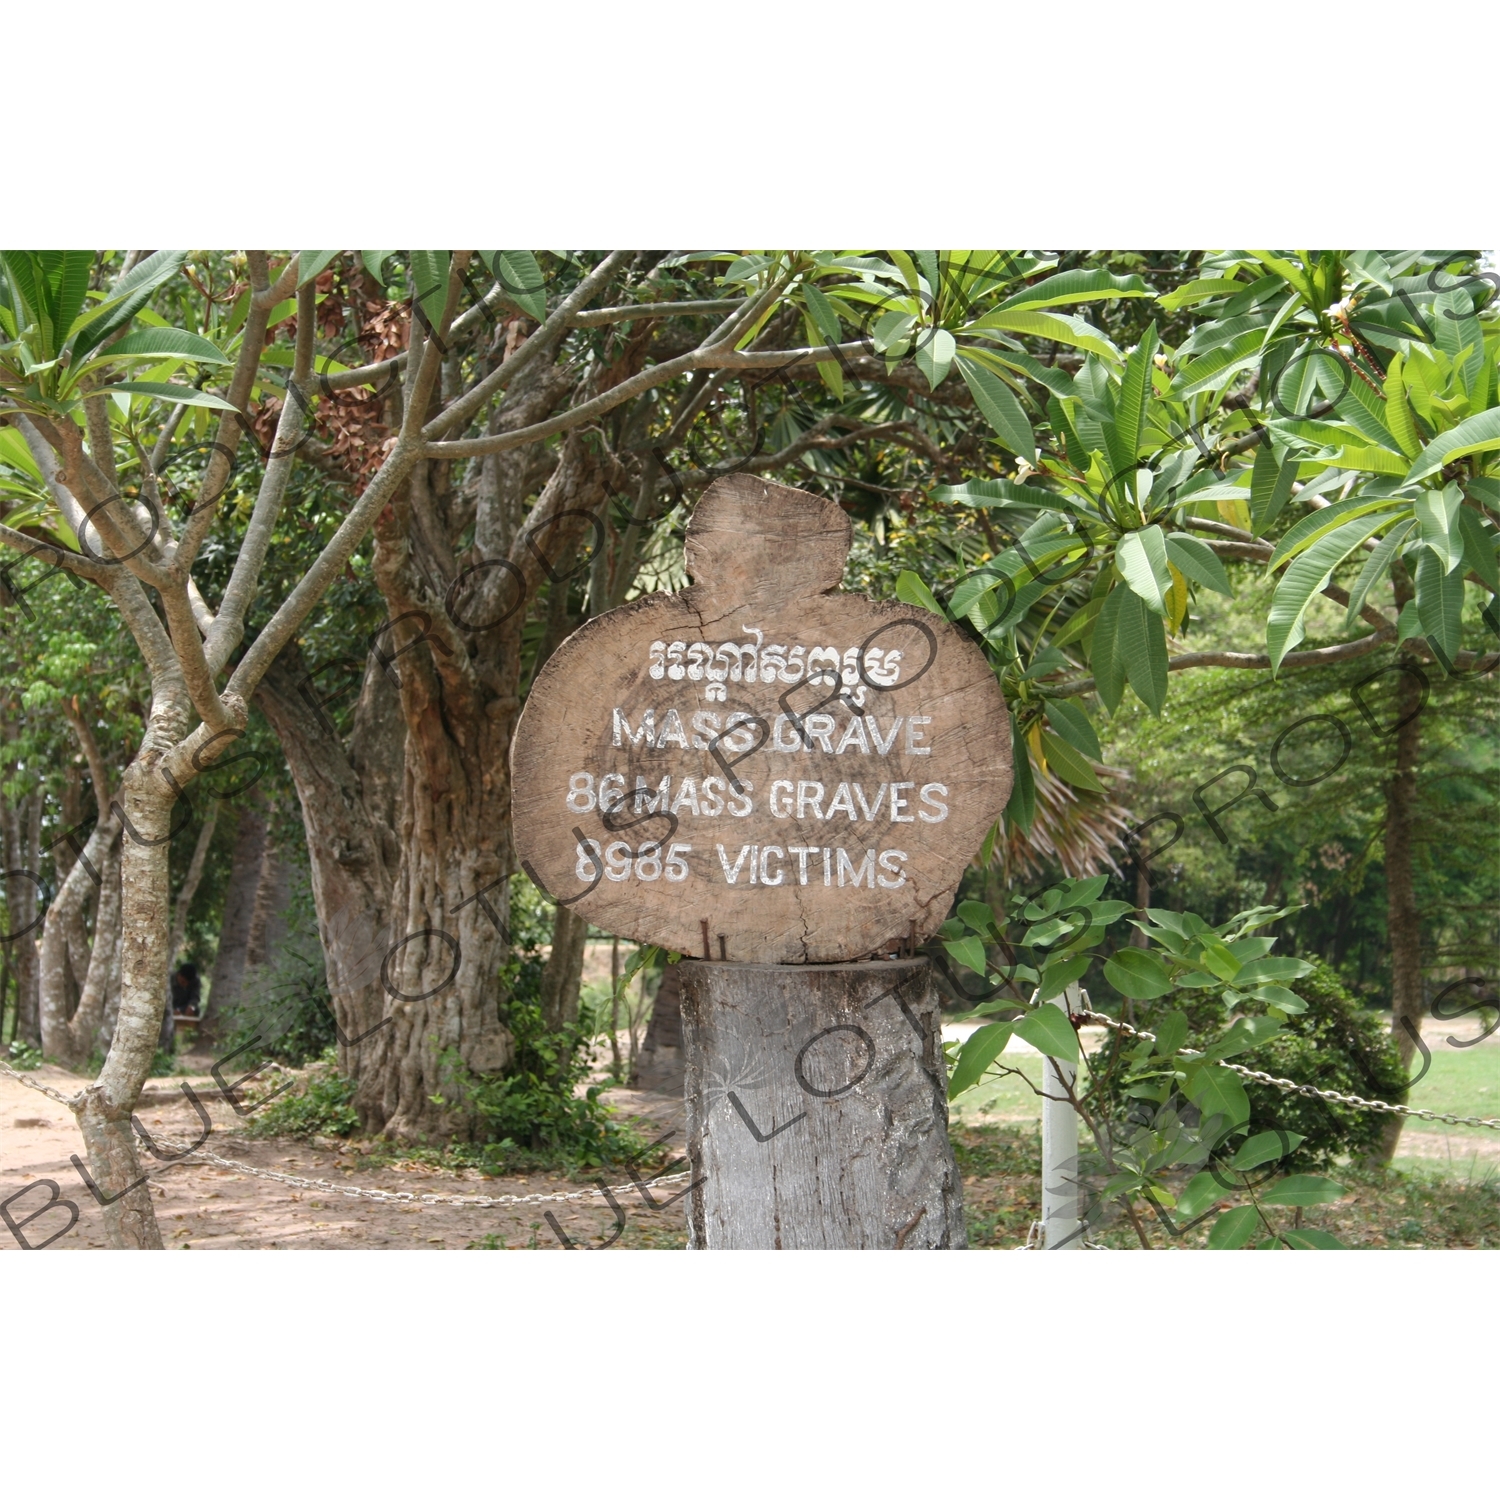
x=761 y=768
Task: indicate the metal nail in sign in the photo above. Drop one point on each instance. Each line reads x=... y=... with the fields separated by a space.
x=761 y=768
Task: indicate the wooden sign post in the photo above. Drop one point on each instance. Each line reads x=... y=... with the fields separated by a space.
x=771 y=777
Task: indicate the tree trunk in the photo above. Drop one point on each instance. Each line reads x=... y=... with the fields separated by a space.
x=273 y=894
x=58 y=939
x=234 y=928
x=817 y=1108
x=350 y=806
x=105 y=1106
x=660 y=1068
x=22 y=832
x=1403 y=919
x=563 y=976
x=84 y=1029
x=192 y=880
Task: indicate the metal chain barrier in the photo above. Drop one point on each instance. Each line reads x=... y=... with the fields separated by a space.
x=41 y=1088
x=384 y=1195
x=375 y=1195
x=1288 y=1086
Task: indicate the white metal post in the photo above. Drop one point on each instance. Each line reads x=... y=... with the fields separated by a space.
x=1060 y=1226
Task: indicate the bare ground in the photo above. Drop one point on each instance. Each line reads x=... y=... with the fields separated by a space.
x=201 y=1205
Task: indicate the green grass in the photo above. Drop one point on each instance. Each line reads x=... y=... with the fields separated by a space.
x=1459 y=1082
x=1383 y=1207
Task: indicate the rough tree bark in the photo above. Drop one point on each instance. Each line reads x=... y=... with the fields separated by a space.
x=234 y=927
x=817 y=1108
x=273 y=894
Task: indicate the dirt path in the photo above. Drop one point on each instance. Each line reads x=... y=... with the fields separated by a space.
x=204 y=1206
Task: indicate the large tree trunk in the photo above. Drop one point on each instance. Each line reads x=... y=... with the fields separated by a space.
x=1403 y=919
x=22 y=832
x=234 y=927
x=350 y=801
x=817 y=1108
x=273 y=894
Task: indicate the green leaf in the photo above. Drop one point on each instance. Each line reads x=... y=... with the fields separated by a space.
x=374 y=262
x=1062 y=328
x=312 y=263
x=1317 y=524
x=1067 y=763
x=970 y=953
x=1377 y=565
x=934 y=357
x=978 y=1053
x=1479 y=547
x=1283 y=999
x=1218 y=366
x=520 y=275
x=1247 y=1034
x=1171 y=1031
x=1233 y=1230
x=1440 y=606
x=1142 y=558
x=1437 y=515
x=1276 y=967
x=1077 y=286
x=823 y=313
x=1138 y=973
x=1311 y=1239
x=165 y=343
x=1269 y=1145
x=130 y=296
x=984 y=494
x=429 y=272
x=977 y=915
x=1105 y=657
x=1021 y=808
x=1135 y=393
x=186 y=395
x=1200 y=291
x=1476 y=434
x=1301 y=1191
x=1000 y=409
x=1219 y=1094
x=1197 y=560
x=911 y=590
x=1072 y=724
x=1049 y=1031
x=1060 y=973
x=1306 y=577
x=1141 y=638
x=1200 y=1195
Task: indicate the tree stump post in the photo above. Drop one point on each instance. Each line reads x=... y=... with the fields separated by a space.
x=817 y=1108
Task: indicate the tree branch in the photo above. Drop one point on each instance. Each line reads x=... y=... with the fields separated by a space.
x=1251 y=661
x=701 y=358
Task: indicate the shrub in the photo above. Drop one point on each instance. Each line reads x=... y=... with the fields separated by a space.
x=536 y=1113
x=1334 y=1044
x=317 y=1104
